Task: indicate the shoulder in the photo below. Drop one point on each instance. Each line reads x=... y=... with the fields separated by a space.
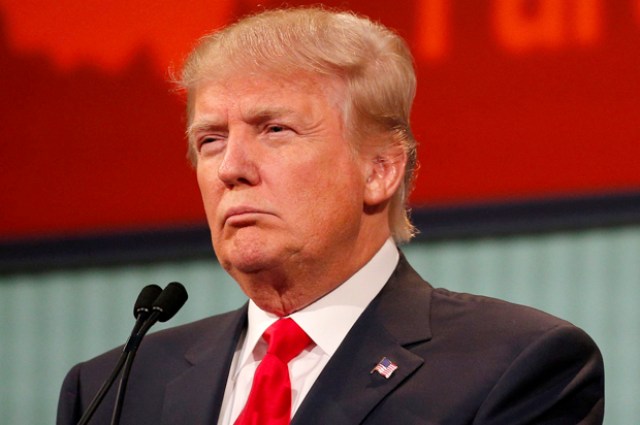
x=487 y=316
x=473 y=317
x=504 y=329
x=479 y=318
x=517 y=364
x=532 y=364
x=486 y=329
x=448 y=311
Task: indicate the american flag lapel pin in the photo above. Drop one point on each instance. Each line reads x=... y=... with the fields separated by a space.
x=385 y=367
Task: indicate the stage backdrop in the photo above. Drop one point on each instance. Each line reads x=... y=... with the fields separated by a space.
x=517 y=99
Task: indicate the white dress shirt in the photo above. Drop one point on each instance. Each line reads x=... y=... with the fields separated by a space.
x=327 y=321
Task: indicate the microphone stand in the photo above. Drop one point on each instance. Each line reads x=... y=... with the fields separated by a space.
x=132 y=350
x=164 y=308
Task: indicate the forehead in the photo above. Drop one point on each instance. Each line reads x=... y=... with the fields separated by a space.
x=259 y=92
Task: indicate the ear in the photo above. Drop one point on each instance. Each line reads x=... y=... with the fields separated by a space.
x=384 y=172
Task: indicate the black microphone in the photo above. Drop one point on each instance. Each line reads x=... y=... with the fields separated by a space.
x=145 y=301
x=166 y=305
x=141 y=311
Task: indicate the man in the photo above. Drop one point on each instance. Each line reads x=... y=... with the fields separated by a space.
x=298 y=125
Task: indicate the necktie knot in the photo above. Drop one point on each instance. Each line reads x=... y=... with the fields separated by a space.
x=286 y=339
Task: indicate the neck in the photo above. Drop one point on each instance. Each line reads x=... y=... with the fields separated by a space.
x=293 y=286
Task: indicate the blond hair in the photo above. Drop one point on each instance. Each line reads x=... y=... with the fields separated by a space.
x=373 y=61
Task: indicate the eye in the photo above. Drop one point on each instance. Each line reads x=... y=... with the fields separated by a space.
x=209 y=143
x=276 y=128
x=208 y=139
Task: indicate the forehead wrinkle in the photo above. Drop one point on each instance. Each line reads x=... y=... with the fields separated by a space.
x=262 y=112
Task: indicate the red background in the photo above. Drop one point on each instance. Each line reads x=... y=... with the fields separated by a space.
x=517 y=99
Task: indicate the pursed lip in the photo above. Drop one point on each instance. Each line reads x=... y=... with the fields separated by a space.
x=240 y=211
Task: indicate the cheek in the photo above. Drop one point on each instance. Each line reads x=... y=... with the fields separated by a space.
x=333 y=197
x=208 y=184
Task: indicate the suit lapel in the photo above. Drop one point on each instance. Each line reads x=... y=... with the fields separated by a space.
x=195 y=396
x=346 y=391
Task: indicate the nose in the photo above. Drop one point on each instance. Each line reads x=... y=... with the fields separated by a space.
x=238 y=166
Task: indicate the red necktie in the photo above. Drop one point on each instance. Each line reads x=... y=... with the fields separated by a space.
x=269 y=401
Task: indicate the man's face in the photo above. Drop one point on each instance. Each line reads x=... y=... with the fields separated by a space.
x=281 y=186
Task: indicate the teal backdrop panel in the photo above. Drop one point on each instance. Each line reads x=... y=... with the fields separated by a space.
x=52 y=320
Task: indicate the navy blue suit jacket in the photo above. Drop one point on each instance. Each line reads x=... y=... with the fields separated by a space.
x=462 y=359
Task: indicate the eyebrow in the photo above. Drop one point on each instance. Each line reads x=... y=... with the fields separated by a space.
x=253 y=114
x=202 y=126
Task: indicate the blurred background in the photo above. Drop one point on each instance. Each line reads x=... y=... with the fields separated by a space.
x=528 y=118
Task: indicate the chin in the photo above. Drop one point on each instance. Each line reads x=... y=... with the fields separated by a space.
x=250 y=265
x=248 y=259
x=253 y=250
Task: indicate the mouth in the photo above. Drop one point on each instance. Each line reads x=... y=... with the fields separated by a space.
x=243 y=216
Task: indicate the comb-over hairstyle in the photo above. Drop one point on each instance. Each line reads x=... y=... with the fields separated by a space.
x=374 y=63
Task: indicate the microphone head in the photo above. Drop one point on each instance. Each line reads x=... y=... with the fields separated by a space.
x=146 y=299
x=170 y=301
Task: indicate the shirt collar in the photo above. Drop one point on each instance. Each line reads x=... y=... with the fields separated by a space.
x=328 y=320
